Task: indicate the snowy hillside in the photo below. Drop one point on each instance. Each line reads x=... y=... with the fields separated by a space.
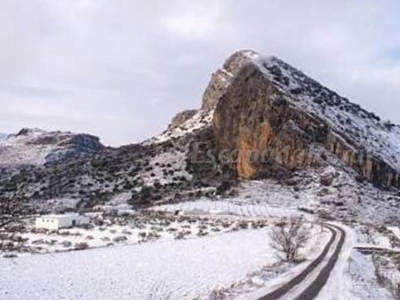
x=363 y=135
x=196 y=123
x=36 y=147
x=358 y=127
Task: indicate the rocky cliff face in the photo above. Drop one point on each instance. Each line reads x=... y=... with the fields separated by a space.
x=261 y=128
x=223 y=77
x=273 y=116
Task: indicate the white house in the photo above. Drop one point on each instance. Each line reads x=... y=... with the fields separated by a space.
x=54 y=222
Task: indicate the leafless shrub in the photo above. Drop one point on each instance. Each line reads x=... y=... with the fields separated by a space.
x=10 y=255
x=369 y=235
x=81 y=246
x=120 y=239
x=66 y=244
x=288 y=237
x=325 y=215
x=220 y=294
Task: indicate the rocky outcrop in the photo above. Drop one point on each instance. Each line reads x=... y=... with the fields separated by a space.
x=255 y=123
x=181 y=118
x=78 y=145
x=223 y=77
x=36 y=147
x=263 y=121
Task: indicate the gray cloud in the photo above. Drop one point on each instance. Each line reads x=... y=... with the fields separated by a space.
x=121 y=69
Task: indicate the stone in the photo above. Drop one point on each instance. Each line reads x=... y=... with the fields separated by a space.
x=181 y=118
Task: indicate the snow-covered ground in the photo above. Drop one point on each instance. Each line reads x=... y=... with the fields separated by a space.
x=211 y=248
x=187 y=268
x=216 y=247
x=355 y=274
x=127 y=230
x=364 y=285
x=339 y=279
x=395 y=230
x=230 y=208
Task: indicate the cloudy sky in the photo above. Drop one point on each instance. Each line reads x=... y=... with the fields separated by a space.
x=121 y=69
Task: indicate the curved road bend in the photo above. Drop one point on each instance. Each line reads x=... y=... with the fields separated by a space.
x=316 y=286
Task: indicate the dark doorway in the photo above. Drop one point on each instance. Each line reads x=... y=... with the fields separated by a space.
x=73 y=223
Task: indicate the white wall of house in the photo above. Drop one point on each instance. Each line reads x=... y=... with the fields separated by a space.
x=47 y=223
x=54 y=222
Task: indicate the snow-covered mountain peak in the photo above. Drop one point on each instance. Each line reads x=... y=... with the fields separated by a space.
x=252 y=87
x=224 y=76
x=360 y=128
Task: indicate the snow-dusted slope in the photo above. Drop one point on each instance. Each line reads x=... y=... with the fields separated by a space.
x=197 y=122
x=360 y=130
x=36 y=147
x=349 y=120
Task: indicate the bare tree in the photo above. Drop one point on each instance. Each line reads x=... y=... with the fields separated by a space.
x=288 y=237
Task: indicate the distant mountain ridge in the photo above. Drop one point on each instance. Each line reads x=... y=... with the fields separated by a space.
x=37 y=147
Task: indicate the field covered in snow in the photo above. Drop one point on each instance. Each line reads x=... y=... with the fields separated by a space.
x=189 y=268
x=230 y=208
x=209 y=249
x=125 y=230
x=235 y=259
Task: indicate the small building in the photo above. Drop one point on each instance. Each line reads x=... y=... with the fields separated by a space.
x=54 y=222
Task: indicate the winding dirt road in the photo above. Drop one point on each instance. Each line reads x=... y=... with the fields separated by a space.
x=307 y=284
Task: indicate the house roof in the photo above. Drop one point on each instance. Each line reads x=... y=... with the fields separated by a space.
x=54 y=216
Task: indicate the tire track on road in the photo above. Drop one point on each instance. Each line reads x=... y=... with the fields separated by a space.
x=316 y=286
x=313 y=290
